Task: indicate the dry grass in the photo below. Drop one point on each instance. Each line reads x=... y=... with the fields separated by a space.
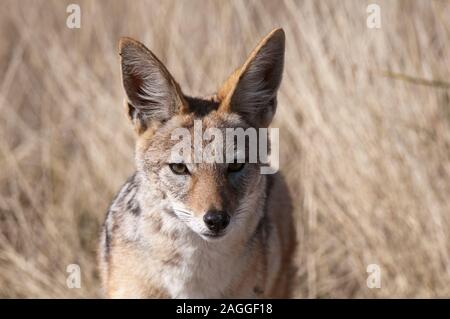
x=364 y=117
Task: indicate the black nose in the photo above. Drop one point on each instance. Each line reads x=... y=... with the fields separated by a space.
x=216 y=220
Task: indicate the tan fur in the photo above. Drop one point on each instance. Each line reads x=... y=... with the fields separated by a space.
x=227 y=89
x=153 y=243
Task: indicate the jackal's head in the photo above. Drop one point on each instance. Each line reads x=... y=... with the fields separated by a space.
x=211 y=197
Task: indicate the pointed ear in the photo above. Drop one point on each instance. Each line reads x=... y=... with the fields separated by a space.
x=252 y=90
x=152 y=93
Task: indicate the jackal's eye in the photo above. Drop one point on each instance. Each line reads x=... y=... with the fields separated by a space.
x=179 y=168
x=235 y=167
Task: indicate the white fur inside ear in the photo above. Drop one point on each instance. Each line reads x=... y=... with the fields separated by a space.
x=147 y=83
x=255 y=94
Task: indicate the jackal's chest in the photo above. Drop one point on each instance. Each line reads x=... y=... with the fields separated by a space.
x=202 y=273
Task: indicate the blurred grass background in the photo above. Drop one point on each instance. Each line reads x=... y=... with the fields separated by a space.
x=364 y=118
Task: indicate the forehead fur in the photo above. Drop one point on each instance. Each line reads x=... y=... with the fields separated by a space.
x=204 y=109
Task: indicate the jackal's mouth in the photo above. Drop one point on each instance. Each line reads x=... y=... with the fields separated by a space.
x=213 y=235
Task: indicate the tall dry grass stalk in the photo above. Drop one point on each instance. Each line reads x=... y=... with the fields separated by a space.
x=365 y=147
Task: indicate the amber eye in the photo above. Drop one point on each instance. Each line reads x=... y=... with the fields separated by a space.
x=179 y=168
x=235 y=167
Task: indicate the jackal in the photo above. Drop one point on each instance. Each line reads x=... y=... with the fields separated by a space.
x=198 y=230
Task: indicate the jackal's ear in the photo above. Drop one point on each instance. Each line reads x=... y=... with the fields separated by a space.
x=252 y=90
x=152 y=93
